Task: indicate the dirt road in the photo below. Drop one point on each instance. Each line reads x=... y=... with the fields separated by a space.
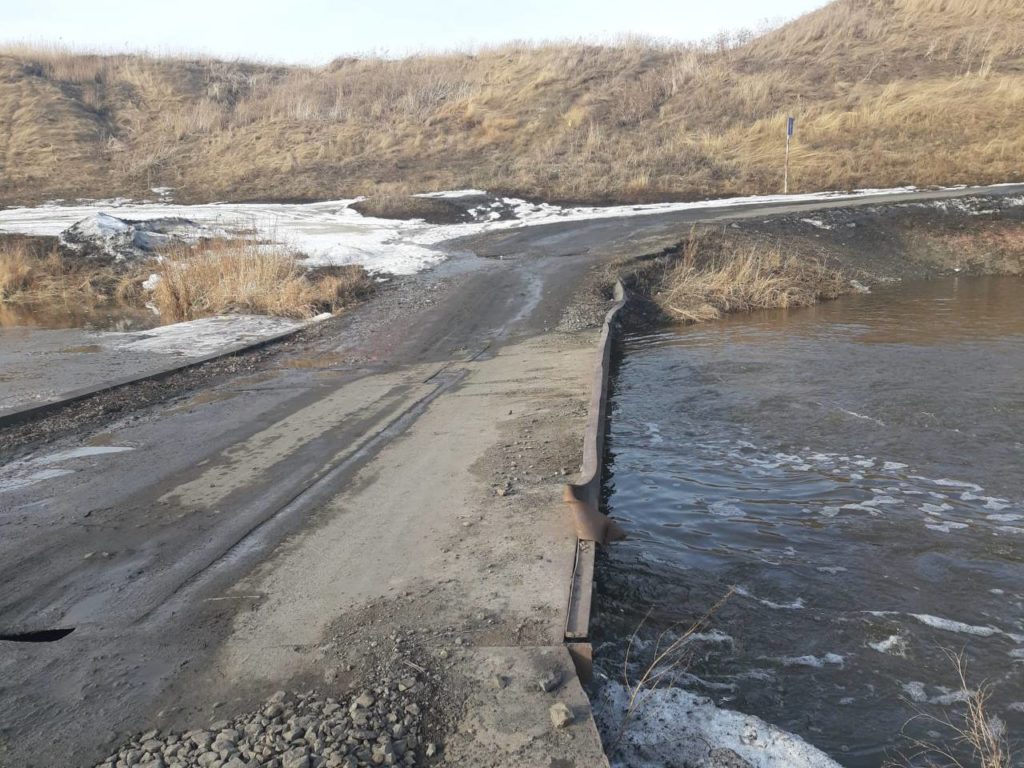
x=388 y=490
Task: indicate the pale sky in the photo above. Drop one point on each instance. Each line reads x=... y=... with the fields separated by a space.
x=316 y=31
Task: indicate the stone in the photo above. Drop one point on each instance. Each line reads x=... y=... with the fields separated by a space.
x=550 y=681
x=561 y=715
x=296 y=758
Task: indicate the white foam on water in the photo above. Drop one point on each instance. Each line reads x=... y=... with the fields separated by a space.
x=917 y=692
x=795 y=605
x=881 y=500
x=818 y=662
x=894 y=645
x=675 y=727
x=946 y=526
x=831 y=569
x=948 y=625
x=654 y=433
x=724 y=508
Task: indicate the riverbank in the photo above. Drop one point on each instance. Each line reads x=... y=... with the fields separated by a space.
x=796 y=260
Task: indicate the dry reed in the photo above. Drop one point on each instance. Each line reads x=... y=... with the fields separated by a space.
x=223 y=277
x=709 y=281
x=977 y=732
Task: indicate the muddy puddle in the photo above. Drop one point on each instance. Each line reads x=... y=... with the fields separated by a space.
x=854 y=470
x=64 y=315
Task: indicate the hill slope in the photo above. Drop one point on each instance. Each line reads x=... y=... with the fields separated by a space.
x=886 y=92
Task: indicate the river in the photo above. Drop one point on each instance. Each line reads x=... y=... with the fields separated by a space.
x=854 y=470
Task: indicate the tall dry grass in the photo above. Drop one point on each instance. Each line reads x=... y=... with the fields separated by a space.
x=710 y=279
x=976 y=731
x=224 y=277
x=886 y=92
x=33 y=271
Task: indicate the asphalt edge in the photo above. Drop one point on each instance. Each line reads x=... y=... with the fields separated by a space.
x=10 y=418
x=586 y=494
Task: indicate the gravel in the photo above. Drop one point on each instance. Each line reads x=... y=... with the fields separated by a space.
x=374 y=727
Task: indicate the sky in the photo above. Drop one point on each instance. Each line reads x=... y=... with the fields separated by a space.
x=316 y=31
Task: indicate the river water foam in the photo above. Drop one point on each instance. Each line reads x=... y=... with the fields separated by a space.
x=854 y=471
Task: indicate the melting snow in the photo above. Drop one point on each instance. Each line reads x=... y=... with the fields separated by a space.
x=332 y=233
x=676 y=727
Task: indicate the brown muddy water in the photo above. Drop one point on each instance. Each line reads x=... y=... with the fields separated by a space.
x=113 y=317
x=855 y=470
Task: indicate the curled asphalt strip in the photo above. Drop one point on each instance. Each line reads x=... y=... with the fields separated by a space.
x=10 y=418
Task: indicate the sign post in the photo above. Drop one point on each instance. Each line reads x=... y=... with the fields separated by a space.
x=790 y=123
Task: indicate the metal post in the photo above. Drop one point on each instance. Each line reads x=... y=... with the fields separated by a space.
x=785 y=188
x=789 y=137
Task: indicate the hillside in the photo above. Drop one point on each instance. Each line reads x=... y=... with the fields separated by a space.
x=886 y=92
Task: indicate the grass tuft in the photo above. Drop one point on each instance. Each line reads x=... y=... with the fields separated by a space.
x=222 y=277
x=708 y=282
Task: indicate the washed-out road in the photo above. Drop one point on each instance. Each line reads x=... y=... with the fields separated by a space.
x=399 y=475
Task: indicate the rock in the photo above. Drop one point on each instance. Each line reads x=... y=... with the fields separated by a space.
x=296 y=758
x=561 y=715
x=365 y=700
x=550 y=681
x=723 y=758
x=431 y=749
x=406 y=683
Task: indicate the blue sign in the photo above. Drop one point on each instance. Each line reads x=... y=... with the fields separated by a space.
x=789 y=126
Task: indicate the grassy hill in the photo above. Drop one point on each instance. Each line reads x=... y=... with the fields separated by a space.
x=886 y=92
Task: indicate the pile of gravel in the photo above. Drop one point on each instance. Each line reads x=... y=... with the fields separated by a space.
x=379 y=726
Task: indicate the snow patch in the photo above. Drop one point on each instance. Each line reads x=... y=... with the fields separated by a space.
x=331 y=233
x=197 y=338
x=676 y=727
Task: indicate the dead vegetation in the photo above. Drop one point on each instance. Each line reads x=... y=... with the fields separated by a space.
x=670 y=656
x=976 y=732
x=715 y=275
x=210 y=278
x=243 y=277
x=886 y=92
x=34 y=271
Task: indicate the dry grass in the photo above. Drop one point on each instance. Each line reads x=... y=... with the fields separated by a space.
x=668 y=657
x=886 y=92
x=977 y=732
x=710 y=280
x=223 y=277
x=33 y=271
